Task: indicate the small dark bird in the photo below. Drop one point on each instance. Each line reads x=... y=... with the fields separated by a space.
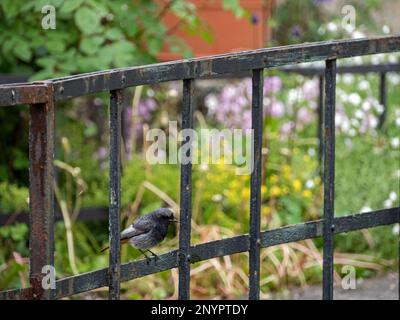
x=148 y=230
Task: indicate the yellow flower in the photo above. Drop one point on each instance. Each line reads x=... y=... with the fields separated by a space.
x=274 y=179
x=246 y=193
x=285 y=190
x=276 y=191
x=297 y=185
x=286 y=171
x=263 y=189
x=306 y=158
x=266 y=210
x=307 y=193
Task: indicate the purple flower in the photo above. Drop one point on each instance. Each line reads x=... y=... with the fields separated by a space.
x=275 y=108
x=254 y=18
x=296 y=31
x=310 y=89
x=287 y=127
x=101 y=153
x=272 y=84
x=304 y=115
x=146 y=107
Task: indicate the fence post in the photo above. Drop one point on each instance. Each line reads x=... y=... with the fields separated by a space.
x=255 y=185
x=116 y=100
x=329 y=179
x=186 y=194
x=41 y=200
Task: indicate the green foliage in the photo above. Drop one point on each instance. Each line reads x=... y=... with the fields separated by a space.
x=90 y=34
x=13 y=198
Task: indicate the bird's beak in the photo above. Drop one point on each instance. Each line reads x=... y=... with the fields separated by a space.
x=174 y=220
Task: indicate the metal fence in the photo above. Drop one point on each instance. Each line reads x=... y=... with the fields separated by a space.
x=42 y=98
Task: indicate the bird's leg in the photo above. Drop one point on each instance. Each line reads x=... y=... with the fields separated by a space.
x=153 y=254
x=147 y=257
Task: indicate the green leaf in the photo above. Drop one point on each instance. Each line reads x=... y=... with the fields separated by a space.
x=55 y=46
x=154 y=45
x=114 y=34
x=70 y=5
x=91 y=45
x=87 y=21
x=23 y=51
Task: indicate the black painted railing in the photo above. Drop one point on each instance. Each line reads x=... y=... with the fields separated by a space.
x=43 y=97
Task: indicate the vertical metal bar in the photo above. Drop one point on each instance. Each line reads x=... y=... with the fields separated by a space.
x=320 y=111
x=41 y=201
x=186 y=194
x=329 y=178
x=116 y=100
x=382 y=99
x=255 y=185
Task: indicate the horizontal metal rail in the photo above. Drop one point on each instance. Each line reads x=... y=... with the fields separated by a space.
x=82 y=84
x=218 y=248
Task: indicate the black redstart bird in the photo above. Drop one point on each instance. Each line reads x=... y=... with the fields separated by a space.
x=148 y=230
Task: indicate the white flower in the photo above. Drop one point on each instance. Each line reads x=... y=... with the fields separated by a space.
x=348 y=78
x=311 y=152
x=386 y=29
x=150 y=93
x=211 y=102
x=392 y=58
x=355 y=123
x=309 y=184
x=373 y=122
x=355 y=99
x=363 y=85
x=358 y=60
x=331 y=26
x=366 y=105
x=173 y=93
x=387 y=203
x=379 y=108
x=359 y=114
x=352 y=132
x=365 y=209
x=398 y=122
x=203 y=167
x=396 y=229
x=217 y=197
x=395 y=142
x=393 y=196
x=394 y=78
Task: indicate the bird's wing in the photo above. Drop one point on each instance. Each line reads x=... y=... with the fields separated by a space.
x=134 y=230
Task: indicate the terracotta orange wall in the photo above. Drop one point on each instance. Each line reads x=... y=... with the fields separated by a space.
x=230 y=33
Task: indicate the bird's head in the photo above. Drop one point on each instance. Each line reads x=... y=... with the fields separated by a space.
x=166 y=214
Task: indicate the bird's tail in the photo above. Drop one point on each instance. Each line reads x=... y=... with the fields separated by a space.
x=108 y=247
